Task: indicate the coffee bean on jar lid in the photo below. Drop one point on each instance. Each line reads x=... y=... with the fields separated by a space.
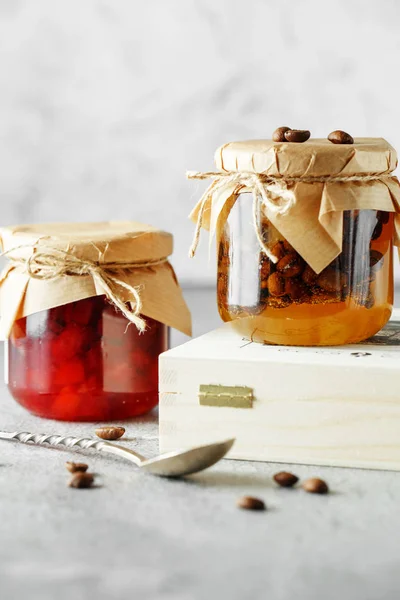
x=285 y=479
x=279 y=134
x=297 y=135
x=340 y=137
x=250 y=503
x=315 y=486
x=276 y=285
x=290 y=265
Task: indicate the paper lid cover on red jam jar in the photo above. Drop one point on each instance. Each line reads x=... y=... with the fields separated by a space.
x=302 y=189
x=57 y=263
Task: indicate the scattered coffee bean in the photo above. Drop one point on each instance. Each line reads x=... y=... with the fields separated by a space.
x=276 y=285
x=358 y=354
x=315 y=486
x=290 y=265
x=81 y=480
x=279 y=134
x=250 y=503
x=374 y=257
x=340 y=137
x=110 y=433
x=297 y=135
x=285 y=479
x=74 y=467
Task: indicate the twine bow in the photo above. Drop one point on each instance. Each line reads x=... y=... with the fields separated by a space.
x=48 y=263
x=271 y=191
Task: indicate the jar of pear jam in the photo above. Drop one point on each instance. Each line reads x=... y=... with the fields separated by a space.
x=287 y=302
x=84 y=361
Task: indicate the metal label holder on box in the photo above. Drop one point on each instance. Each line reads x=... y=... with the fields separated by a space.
x=337 y=406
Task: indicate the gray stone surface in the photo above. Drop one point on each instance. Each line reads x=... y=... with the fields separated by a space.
x=136 y=536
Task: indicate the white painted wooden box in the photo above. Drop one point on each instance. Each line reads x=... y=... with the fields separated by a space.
x=327 y=406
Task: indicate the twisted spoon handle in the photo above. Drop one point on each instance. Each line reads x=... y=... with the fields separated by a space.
x=70 y=442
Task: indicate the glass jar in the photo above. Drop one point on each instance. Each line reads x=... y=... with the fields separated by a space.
x=84 y=361
x=287 y=302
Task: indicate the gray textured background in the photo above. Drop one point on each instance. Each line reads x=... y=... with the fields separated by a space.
x=104 y=104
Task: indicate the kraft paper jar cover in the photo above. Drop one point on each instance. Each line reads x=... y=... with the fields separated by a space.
x=313 y=223
x=105 y=243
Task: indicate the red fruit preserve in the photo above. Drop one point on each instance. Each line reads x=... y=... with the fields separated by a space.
x=84 y=361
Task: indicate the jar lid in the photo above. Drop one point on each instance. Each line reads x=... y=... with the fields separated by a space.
x=56 y=263
x=314 y=158
x=107 y=242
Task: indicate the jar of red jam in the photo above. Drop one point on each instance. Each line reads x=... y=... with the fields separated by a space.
x=305 y=234
x=89 y=358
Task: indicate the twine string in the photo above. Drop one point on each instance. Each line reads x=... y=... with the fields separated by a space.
x=271 y=191
x=47 y=263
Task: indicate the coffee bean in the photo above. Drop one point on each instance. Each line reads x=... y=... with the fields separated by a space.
x=250 y=503
x=340 y=137
x=290 y=265
x=288 y=247
x=315 y=486
x=383 y=216
x=278 y=250
x=297 y=135
x=74 y=467
x=110 y=433
x=309 y=276
x=377 y=231
x=285 y=479
x=276 y=285
x=374 y=257
x=295 y=288
x=330 y=280
x=81 y=480
x=279 y=134
x=265 y=267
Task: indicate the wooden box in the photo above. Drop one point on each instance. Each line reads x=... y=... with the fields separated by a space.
x=325 y=406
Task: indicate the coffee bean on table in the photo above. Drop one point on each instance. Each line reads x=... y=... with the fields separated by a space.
x=250 y=503
x=340 y=137
x=297 y=135
x=74 y=467
x=315 y=486
x=279 y=134
x=285 y=479
x=81 y=480
x=110 y=433
x=290 y=265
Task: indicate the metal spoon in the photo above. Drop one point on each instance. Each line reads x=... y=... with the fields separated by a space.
x=172 y=464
